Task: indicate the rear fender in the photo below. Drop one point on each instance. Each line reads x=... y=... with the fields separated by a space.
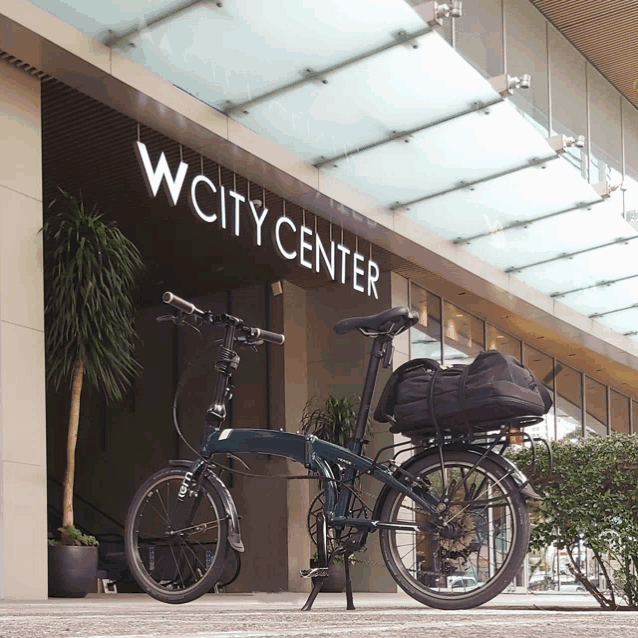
x=234 y=533
x=521 y=480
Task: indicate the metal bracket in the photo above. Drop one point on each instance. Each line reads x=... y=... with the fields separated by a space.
x=505 y=84
x=560 y=143
x=433 y=12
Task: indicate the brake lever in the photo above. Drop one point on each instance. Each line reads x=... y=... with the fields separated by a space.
x=178 y=320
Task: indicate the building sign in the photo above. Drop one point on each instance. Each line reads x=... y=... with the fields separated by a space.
x=291 y=242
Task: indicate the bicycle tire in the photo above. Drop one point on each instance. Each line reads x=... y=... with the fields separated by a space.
x=175 y=568
x=490 y=527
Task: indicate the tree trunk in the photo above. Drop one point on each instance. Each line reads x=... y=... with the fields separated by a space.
x=74 y=419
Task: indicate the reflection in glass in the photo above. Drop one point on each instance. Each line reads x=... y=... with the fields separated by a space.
x=542 y=366
x=605 y=131
x=630 y=134
x=596 y=401
x=478 y=36
x=425 y=337
x=499 y=340
x=569 y=402
x=619 y=412
x=464 y=335
x=569 y=98
x=526 y=49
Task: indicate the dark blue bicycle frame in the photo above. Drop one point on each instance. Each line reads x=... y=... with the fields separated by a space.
x=317 y=455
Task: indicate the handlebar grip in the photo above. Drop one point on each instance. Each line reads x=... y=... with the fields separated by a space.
x=179 y=303
x=270 y=337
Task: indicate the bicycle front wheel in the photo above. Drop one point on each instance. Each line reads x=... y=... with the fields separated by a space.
x=482 y=545
x=175 y=565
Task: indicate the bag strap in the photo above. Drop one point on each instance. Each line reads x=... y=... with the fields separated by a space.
x=431 y=403
x=462 y=402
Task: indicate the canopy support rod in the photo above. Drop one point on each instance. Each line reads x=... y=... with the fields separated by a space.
x=477 y=106
x=470 y=185
x=611 y=312
x=524 y=224
x=600 y=284
x=620 y=240
x=114 y=38
x=320 y=76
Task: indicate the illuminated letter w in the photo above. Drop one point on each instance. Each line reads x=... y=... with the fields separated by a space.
x=153 y=178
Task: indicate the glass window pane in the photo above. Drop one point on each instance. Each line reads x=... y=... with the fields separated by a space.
x=479 y=36
x=568 y=79
x=464 y=335
x=569 y=402
x=630 y=132
x=542 y=366
x=526 y=49
x=605 y=132
x=634 y=416
x=596 y=401
x=425 y=337
x=499 y=340
x=619 y=412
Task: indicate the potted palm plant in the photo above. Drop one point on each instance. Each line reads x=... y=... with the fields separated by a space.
x=90 y=273
x=334 y=421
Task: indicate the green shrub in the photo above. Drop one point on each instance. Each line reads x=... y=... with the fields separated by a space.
x=591 y=496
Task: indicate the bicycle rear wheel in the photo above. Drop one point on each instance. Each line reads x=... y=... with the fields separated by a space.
x=175 y=566
x=481 y=548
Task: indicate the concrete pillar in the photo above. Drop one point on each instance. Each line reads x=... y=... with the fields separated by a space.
x=289 y=396
x=23 y=476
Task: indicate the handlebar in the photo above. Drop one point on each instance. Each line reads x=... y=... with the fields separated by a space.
x=181 y=304
x=253 y=334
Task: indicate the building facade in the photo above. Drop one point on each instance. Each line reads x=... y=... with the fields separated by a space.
x=332 y=162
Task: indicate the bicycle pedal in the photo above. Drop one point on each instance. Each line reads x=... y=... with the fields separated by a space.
x=314 y=572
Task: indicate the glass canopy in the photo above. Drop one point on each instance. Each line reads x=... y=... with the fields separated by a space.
x=373 y=97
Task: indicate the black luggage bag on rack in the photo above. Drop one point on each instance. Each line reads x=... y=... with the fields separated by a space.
x=462 y=399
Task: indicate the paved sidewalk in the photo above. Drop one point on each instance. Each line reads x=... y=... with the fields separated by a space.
x=279 y=615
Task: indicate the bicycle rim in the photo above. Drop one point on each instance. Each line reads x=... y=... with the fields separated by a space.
x=175 y=566
x=483 y=546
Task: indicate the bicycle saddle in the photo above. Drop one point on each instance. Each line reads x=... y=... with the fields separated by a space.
x=380 y=322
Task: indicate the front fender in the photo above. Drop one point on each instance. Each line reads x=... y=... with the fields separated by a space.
x=521 y=480
x=234 y=533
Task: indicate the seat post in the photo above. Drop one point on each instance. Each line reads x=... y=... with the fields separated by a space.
x=379 y=347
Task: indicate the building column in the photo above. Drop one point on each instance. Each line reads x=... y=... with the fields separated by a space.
x=289 y=395
x=23 y=477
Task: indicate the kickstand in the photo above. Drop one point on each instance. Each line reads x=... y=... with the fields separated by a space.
x=349 y=600
x=322 y=561
x=316 y=588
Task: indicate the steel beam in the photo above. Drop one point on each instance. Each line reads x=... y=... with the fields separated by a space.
x=611 y=312
x=600 y=284
x=470 y=185
x=320 y=76
x=115 y=38
x=569 y=255
x=478 y=106
x=524 y=224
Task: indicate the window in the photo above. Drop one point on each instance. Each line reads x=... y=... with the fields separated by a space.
x=568 y=80
x=478 y=36
x=596 y=401
x=425 y=337
x=542 y=366
x=499 y=340
x=464 y=335
x=619 y=412
x=569 y=402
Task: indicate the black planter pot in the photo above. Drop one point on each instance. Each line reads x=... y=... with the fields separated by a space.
x=72 y=570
